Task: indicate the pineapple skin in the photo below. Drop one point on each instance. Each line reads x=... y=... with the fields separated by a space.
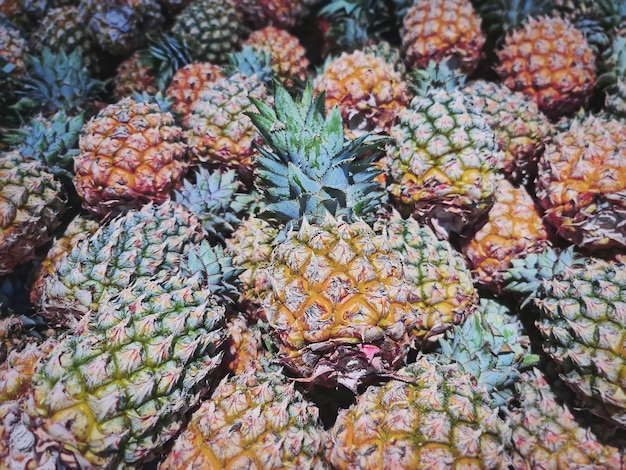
x=116 y=390
x=366 y=88
x=430 y=416
x=442 y=30
x=131 y=152
x=548 y=59
x=254 y=419
x=32 y=202
x=581 y=180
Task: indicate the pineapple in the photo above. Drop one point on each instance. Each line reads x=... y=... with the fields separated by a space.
x=139 y=244
x=580 y=305
x=342 y=307
x=244 y=348
x=13 y=47
x=186 y=85
x=549 y=60
x=581 y=183
x=367 y=89
x=613 y=78
x=131 y=153
x=116 y=389
x=218 y=132
x=284 y=14
x=32 y=202
x=288 y=58
x=547 y=434
x=442 y=30
x=440 y=411
x=521 y=129
x=212 y=29
x=255 y=419
x=132 y=76
x=119 y=27
x=62 y=29
x=514 y=228
x=441 y=162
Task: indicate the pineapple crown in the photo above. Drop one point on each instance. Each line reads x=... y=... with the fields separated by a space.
x=436 y=75
x=165 y=55
x=490 y=345
x=614 y=63
x=57 y=81
x=309 y=170
x=215 y=269
x=54 y=141
x=164 y=102
x=216 y=199
x=251 y=61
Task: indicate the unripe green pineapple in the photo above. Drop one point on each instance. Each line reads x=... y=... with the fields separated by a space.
x=580 y=301
x=117 y=389
x=140 y=244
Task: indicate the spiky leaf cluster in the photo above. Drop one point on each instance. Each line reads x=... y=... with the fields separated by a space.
x=308 y=169
x=54 y=141
x=216 y=198
x=56 y=81
x=251 y=61
x=165 y=55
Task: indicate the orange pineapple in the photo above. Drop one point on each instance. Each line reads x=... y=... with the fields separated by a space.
x=288 y=57
x=513 y=229
x=130 y=153
x=367 y=89
x=442 y=30
x=550 y=60
x=132 y=75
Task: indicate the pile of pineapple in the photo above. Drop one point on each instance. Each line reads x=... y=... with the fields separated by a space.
x=313 y=234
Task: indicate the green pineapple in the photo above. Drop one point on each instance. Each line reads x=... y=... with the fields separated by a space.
x=580 y=302
x=613 y=79
x=442 y=160
x=139 y=244
x=212 y=28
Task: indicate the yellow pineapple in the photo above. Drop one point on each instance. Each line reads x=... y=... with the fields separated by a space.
x=548 y=59
x=442 y=30
x=367 y=89
x=513 y=229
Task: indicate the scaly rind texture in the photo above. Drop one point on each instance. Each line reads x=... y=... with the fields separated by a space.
x=218 y=132
x=582 y=304
x=442 y=160
x=186 y=85
x=442 y=30
x=13 y=47
x=339 y=307
x=32 y=201
x=440 y=278
x=141 y=244
x=117 y=388
x=132 y=75
x=548 y=59
x=132 y=152
x=582 y=183
x=367 y=89
x=256 y=419
x=547 y=435
x=432 y=416
x=211 y=28
x=288 y=56
x=519 y=126
x=514 y=228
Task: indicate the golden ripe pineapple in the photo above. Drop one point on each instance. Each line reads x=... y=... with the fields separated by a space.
x=131 y=153
x=442 y=30
x=581 y=183
x=366 y=88
x=548 y=59
x=514 y=228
